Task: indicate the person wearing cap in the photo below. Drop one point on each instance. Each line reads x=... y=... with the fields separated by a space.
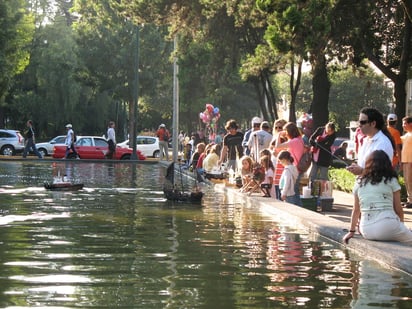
x=259 y=140
x=396 y=136
x=256 y=121
x=163 y=134
x=69 y=142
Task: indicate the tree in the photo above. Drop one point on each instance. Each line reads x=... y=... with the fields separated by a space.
x=16 y=32
x=109 y=66
x=301 y=30
x=381 y=32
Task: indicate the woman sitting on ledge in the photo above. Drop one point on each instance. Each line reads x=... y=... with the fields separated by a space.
x=378 y=202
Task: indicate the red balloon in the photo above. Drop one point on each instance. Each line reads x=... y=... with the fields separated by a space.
x=209 y=108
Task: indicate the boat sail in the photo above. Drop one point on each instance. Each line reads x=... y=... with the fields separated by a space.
x=175 y=191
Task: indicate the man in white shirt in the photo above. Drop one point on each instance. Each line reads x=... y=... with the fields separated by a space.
x=70 y=140
x=259 y=140
x=111 y=140
x=256 y=122
x=372 y=125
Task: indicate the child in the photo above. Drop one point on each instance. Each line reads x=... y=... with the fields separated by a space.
x=246 y=172
x=288 y=178
x=266 y=185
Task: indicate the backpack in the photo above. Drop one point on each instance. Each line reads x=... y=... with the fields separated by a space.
x=165 y=136
x=305 y=160
x=74 y=137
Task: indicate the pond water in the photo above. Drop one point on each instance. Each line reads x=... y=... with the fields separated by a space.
x=118 y=243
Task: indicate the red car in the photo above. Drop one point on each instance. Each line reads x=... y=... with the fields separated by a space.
x=94 y=147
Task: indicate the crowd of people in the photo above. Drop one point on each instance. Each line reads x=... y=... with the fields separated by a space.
x=264 y=159
x=267 y=160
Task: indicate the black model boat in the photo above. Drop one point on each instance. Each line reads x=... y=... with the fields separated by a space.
x=63 y=186
x=176 y=193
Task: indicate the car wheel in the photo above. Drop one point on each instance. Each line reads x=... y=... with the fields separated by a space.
x=43 y=152
x=156 y=154
x=7 y=150
x=125 y=157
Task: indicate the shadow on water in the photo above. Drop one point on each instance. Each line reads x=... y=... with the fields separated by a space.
x=118 y=243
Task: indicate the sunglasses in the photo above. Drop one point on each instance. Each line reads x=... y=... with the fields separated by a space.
x=362 y=122
x=278 y=128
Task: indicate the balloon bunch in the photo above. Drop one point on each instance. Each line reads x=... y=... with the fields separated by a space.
x=210 y=116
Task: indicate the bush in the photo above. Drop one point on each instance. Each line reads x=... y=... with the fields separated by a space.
x=344 y=181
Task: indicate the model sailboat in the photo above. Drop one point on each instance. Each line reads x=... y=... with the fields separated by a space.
x=176 y=192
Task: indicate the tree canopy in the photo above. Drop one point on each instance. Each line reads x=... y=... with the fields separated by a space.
x=66 y=62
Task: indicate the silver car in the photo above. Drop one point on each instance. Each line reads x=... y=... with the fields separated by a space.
x=46 y=148
x=11 y=142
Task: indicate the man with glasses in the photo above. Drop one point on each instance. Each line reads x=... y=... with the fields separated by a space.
x=372 y=125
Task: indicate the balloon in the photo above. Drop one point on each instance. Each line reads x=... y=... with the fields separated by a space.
x=201 y=115
x=216 y=110
x=209 y=108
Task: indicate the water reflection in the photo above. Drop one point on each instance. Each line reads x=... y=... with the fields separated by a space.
x=118 y=243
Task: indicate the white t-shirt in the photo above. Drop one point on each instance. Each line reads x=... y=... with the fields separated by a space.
x=377 y=142
x=258 y=141
x=111 y=135
x=69 y=137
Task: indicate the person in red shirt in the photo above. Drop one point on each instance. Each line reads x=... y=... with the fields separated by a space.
x=163 y=134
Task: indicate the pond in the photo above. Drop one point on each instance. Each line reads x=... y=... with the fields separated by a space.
x=118 y=243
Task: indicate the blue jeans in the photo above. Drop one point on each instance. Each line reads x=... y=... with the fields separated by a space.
x=293 y=200
x=31 y=145
x=71 y=147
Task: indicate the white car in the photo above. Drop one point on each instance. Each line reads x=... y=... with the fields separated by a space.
x=148 y=145
x=46 y=148
x=11 y=142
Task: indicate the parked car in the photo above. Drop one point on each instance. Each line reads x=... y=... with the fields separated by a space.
x=337 y=142
x=46 y=148
x=95 y=147
x=11 y=142
x=148 y=145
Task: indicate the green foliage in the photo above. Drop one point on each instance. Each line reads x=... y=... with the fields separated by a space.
x=344 y=180
x=16 y=32
x=350 y=91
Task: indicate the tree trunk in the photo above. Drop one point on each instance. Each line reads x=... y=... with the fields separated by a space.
x=321 y=87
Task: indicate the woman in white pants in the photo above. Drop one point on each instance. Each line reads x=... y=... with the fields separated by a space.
x=377 y=206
